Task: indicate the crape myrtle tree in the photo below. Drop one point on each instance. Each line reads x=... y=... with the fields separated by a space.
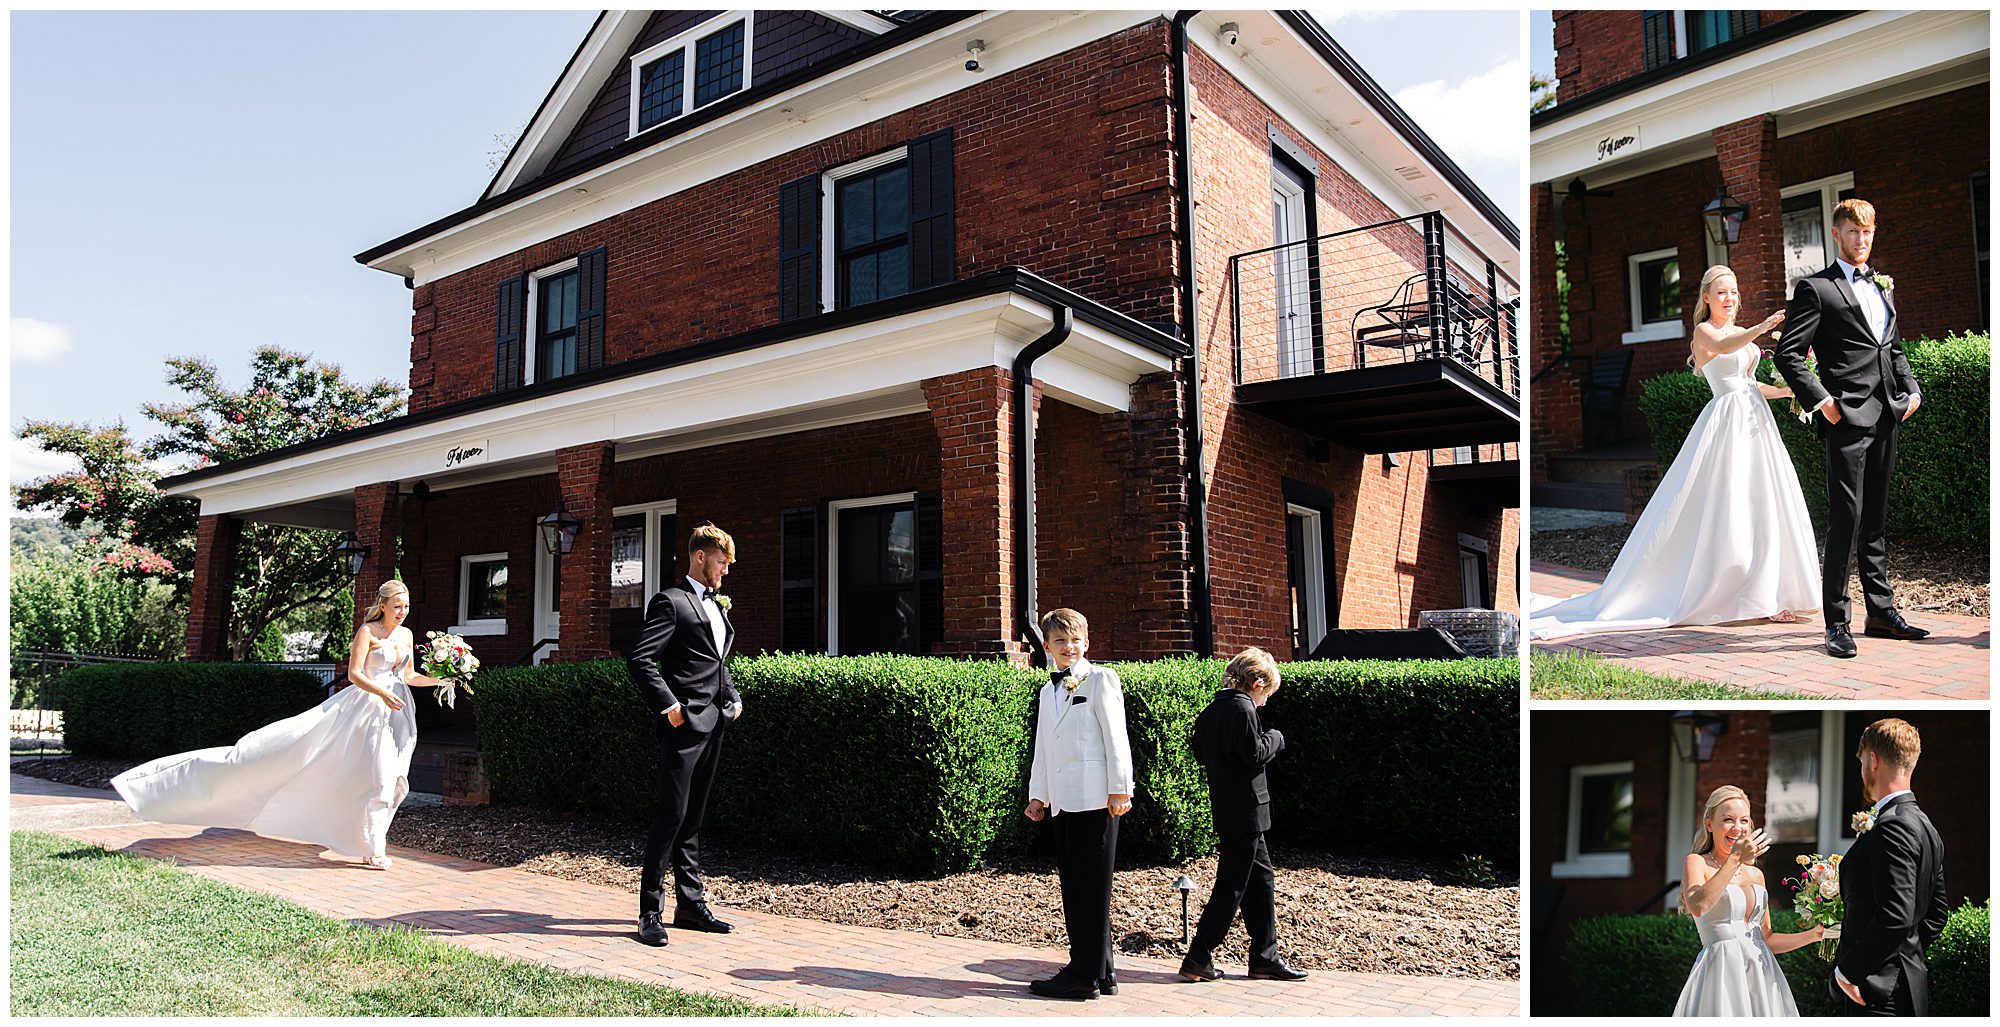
x=280 y=571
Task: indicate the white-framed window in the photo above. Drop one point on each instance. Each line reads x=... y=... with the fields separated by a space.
x=865 y=229
x=1653 y=287
x=553 y=298
x=1598 y=842
x=690 y=71
x=647 y=555
x=1808 y=225
x=482 y=595
x=1472 y=555
x=871 y=567
x=1305 y=563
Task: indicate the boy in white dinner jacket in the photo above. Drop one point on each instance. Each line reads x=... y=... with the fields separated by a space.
x=1081 y=776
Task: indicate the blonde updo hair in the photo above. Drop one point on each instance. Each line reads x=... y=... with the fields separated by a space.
x=390 y=590
x=1704 y=839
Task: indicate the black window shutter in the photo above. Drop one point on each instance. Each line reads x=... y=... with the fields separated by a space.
x=1742 y=23
x=590 y=310
x=798 y=248
x=513 y=309
x=933 y=260
x=1659 y=33
x=930 y=570
x=798 y=580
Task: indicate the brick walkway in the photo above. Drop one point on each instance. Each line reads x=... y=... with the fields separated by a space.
x=770 y=959
x=1951 y=664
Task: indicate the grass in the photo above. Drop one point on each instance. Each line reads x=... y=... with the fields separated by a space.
x=107 y=934
x=1579 y=675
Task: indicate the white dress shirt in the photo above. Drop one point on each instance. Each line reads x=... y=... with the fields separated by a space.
x=705 y=598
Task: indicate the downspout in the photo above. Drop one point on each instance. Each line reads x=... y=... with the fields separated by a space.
x=1199 y=601
x=1064 y=319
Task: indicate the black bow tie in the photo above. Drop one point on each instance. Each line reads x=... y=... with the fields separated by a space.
x=1863 y=271
x=1056 y=676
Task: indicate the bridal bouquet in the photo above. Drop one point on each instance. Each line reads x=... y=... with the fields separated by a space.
x=1819 y=898
x=447 y=658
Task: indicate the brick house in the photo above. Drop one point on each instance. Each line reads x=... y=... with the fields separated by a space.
x=1660 y=113
x=780 y=270
x=1614 y=801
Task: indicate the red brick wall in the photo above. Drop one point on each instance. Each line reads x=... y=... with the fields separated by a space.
x=376 y=526
x=215 y=540
x=1060 y=167
x=1923 y=206
x=1560 y=740
x=1398 y=539
x=1557 y=423
x=585 y=474
x=1595 y=49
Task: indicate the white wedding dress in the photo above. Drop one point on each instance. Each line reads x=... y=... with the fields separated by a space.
x=1736 y=973
x=332 y=776
x=1726 y=536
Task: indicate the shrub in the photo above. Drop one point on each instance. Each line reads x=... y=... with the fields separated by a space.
x=145 y=710
x=922 y=763
x=1942 y=468
x=1637 y=965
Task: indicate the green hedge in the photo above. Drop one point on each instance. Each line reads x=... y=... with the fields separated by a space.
x=1942 y=469
x=144 y=710
x=1637 y=965
x=922 y=763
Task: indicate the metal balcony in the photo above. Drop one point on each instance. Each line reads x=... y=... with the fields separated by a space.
x=1388 y=338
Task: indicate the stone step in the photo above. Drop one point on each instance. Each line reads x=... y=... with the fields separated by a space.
x=1586 y=495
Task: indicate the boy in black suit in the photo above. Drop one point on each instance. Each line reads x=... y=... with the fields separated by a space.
x=1231 y=742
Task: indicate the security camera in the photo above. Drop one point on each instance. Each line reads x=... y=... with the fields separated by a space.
x=1230 y=34
x=972 y=52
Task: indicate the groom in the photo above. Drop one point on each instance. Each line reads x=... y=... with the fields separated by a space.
x=678 y=664
x=1893 y=881
x=1846 y=317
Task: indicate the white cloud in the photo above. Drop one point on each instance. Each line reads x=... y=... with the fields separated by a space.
x=35 y=342
x=27 y=461
x=1481 y=119
x=1329 y=16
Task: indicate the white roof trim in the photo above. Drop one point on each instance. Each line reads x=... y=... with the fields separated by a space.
x=1874 y=51
x=601 y=53
x=857 y=372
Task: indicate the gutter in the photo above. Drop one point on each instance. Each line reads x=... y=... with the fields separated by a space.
x=1024 y=477
x=1200 y=599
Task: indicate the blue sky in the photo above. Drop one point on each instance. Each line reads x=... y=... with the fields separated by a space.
x=199 y=182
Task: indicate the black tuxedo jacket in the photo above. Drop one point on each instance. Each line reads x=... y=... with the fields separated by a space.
x=1868 y=377
x=675 y=660
x=1893 y=883
x=1231 y=741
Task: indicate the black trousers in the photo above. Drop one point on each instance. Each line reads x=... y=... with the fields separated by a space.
x=1086 y=851
x=1244 y=879
x=687 y=768
x=1859 y=462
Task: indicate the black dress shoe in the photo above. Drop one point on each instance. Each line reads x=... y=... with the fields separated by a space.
x=1276 y=971
x=1199 y=971
x=698 y=918
x=1892 y=625
x=651 y=930
x=1838 y=642
x=1107 y=985
x=1061 y=986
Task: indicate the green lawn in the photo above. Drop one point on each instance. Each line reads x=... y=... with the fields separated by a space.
x=1574 y=675
x=105 y=934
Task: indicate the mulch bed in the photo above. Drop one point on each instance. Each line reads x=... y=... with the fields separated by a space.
x=1931 y=576
x=1334 y=912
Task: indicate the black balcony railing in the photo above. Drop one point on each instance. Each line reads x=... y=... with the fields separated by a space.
x=1397 y=292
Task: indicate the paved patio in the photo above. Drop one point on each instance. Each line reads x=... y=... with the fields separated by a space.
x=1951 y=664
x=770 y=959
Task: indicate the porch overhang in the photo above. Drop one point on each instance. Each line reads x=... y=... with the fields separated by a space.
x=1834 y=66
x=860 y=364
x=1494 y=481
x=1433 y=403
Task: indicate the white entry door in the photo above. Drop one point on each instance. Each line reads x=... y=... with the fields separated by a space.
x=548 y=596
x=1290 y=270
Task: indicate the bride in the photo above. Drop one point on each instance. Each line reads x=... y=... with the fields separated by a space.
x=1726 y=536
x=332 y=776
x=1737 y=972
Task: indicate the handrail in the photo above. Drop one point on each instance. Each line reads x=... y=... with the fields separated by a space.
x=528 y=657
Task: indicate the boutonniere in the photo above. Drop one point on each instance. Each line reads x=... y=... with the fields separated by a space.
x=1884 y=282
x=1071 y=679
x=1862 y=822
x=722 y=601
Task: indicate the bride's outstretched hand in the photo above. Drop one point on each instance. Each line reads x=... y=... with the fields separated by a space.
x=1777 y=318
x=1751 y=846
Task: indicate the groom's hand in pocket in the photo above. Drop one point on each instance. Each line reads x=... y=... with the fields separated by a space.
x=1916 y=400
x=677 y=716
x=1847 y=988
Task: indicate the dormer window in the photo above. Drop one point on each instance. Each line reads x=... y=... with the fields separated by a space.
x=690 y=71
